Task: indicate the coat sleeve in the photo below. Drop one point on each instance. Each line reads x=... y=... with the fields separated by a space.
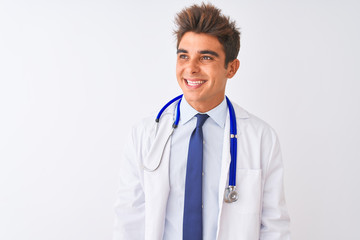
x=129 y=206
x=275 y=221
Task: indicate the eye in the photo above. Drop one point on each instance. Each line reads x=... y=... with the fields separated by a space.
x=206 y=58
x=183 y=56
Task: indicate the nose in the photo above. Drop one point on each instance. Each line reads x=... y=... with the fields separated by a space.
x=193 y=66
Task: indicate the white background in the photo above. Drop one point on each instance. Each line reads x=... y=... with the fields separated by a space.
x=75 y=75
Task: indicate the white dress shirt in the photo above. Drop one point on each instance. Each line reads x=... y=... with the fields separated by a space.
x=213 y=133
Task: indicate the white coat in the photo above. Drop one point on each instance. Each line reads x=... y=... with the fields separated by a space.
x=259 y=213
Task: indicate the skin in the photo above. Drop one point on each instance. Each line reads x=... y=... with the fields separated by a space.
x=201 y=72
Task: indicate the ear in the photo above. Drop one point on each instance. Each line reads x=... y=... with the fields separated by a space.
x=233 y=66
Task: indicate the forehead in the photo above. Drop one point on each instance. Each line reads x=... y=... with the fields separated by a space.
x=200 y=41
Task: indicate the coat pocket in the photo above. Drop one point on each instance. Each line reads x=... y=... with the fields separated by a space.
x=248 y=186
x=240 y=220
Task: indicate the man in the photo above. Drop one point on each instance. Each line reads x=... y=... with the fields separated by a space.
x=173 y=179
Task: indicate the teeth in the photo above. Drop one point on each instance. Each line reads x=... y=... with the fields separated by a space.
x=194 y=83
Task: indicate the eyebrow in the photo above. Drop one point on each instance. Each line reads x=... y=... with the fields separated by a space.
x=209 y=52
x=180 y=50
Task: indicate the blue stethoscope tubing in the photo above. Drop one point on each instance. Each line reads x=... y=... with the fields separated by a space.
x=230 y=194
x=177 y=110
x=233 y=144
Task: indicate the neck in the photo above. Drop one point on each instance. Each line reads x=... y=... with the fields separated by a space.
x=203 y=107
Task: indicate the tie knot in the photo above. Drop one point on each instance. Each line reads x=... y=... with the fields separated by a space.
x=201 y=118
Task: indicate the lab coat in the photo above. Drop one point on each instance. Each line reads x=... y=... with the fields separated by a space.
x=259 y=213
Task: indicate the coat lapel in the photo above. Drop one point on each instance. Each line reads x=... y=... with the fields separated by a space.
x=226 y=159
x=156 y=179
x=225 y=164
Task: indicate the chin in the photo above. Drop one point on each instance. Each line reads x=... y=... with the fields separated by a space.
x=192 y=97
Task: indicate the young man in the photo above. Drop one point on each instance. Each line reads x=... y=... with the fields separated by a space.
x=174 y=179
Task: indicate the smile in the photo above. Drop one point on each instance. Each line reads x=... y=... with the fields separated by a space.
x=194 y=83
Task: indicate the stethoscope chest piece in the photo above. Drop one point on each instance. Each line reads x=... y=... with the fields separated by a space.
x=231 y=195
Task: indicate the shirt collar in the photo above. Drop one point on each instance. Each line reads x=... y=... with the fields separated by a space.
x=218 y=114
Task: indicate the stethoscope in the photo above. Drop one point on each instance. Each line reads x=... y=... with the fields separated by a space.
x=231 y=194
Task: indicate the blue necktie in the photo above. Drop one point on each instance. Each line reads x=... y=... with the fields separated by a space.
x=192 y=222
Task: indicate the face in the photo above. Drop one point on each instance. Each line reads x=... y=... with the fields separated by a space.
x=201 y=72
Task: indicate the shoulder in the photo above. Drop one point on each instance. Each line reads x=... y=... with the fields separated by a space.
x=258 y=137
x=147 y=126
x=250 y=123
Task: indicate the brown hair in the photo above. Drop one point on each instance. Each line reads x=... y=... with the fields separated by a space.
x=209 y=19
